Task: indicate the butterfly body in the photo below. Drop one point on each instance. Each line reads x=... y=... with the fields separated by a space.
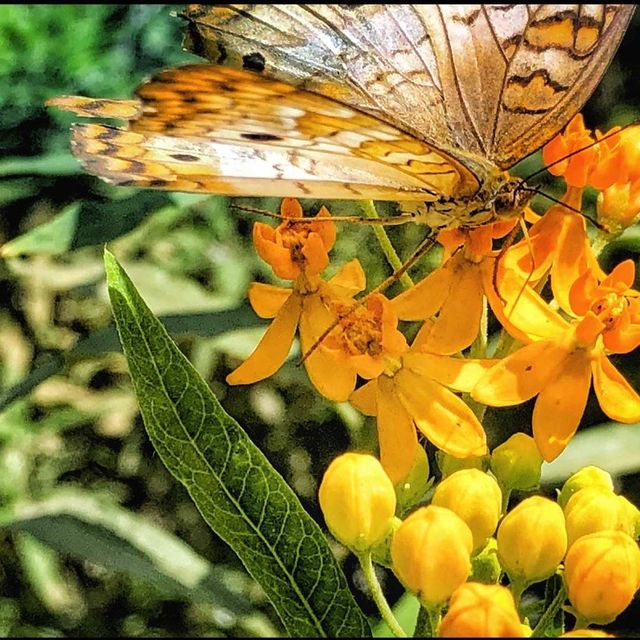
x=426 y=105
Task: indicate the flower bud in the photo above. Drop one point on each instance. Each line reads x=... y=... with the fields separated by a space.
x=357 y=500
x=449 y=464
x=476 y=497
x=485 y=567
x=586 y=477
x=602 y=574
x=481 y=611
x=431 y=553
x=517 y=463
x=532 y=540
x=597 y=509
x=618 y=206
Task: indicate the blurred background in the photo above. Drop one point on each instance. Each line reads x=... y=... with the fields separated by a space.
x=96 y=538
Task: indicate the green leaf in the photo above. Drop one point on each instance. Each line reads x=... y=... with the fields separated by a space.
x=86 y=224
x=244 y=500
x=611 y=446
x=90 y=527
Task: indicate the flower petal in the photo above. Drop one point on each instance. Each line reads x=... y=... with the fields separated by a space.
x=327 y=230
x=349 y=279
x=570 y=260
x=527 y=316
x=364 y=398
x=273 y=348
x=441 y=416
x=425 y=298
x=521 y=375
x=267 y=299
x=616 y=396
x=461 y=374
x=396 y=432
x=333 y=379
x=315 y=255
x=458 y=322
x=560 y=405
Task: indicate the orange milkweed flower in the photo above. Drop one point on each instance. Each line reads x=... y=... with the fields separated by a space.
x=561 y=358
x=455 y=290
x=299 y=252
x=413 y=392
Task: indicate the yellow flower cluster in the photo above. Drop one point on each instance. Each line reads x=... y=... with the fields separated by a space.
x=452 y=550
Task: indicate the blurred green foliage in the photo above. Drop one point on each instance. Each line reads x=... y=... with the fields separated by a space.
x=68 y=417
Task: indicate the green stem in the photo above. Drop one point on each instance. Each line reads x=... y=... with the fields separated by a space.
x=506 y=494
x=517 y=589
x=550 y=613
x=378 y=596
x=428 y=622
x=393 y=259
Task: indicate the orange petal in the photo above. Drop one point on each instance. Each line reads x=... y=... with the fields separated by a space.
x=560 y=405
x=327 y=230
x=441 y=415
x=273 y=253
x=291 y=208
x=527 y=316
x=460 y=374
x=364 y=398
x=571 y=259
x=334 y=380
x=623 y=340
x=616 y=396
x=582 y=292
x=273 y=348
x=622 y=277
x=425 y=298
x=267 y=299
x=396 y=432
x=349 y=279
x=521 y=375
x=315 y=254
x=367 y=366
x=589 y=328
x=458 y=322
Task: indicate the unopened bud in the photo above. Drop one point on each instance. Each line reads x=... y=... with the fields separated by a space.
x=532 y=540
x=476 y=497
x=517 y=463
x=602 y=574
x=431 y=553
x=586 y=477
x=449 y=464
x=357 y=500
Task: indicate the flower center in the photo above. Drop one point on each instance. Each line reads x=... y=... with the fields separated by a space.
x=609 y=308
x=293 y=237
x=358 y=332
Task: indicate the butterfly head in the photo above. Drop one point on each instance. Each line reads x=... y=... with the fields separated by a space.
x=508 y=197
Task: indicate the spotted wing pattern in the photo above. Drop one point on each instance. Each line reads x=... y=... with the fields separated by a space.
x=207 y=128
x=485 y=82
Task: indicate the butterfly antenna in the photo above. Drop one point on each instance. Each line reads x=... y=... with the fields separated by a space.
x=589 y=146
x=595 y=223
x=388 y=221
x=420 y=250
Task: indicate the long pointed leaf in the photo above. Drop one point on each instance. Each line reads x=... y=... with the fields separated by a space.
x=244 y=500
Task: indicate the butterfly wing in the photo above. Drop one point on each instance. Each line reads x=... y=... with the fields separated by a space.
x=492 y=82
x=213 y=129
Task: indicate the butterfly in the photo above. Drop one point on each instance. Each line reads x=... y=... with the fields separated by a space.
x=424 y=104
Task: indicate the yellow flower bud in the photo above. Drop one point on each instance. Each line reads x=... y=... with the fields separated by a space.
x=597 y=509
x=532 y=540
x=481 y=611
x=485 y=567
x=449 y=464
x=517 y=463
x=476 y=497
x=431 y=553
x=586 y=477
x=357 y=500
x=632 y=514
x=602 y=574
x=618 y=206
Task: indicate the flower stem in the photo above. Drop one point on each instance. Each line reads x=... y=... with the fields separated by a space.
x=378 y=596
x=428 y=622
x=550 y=613
x=393 y=259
